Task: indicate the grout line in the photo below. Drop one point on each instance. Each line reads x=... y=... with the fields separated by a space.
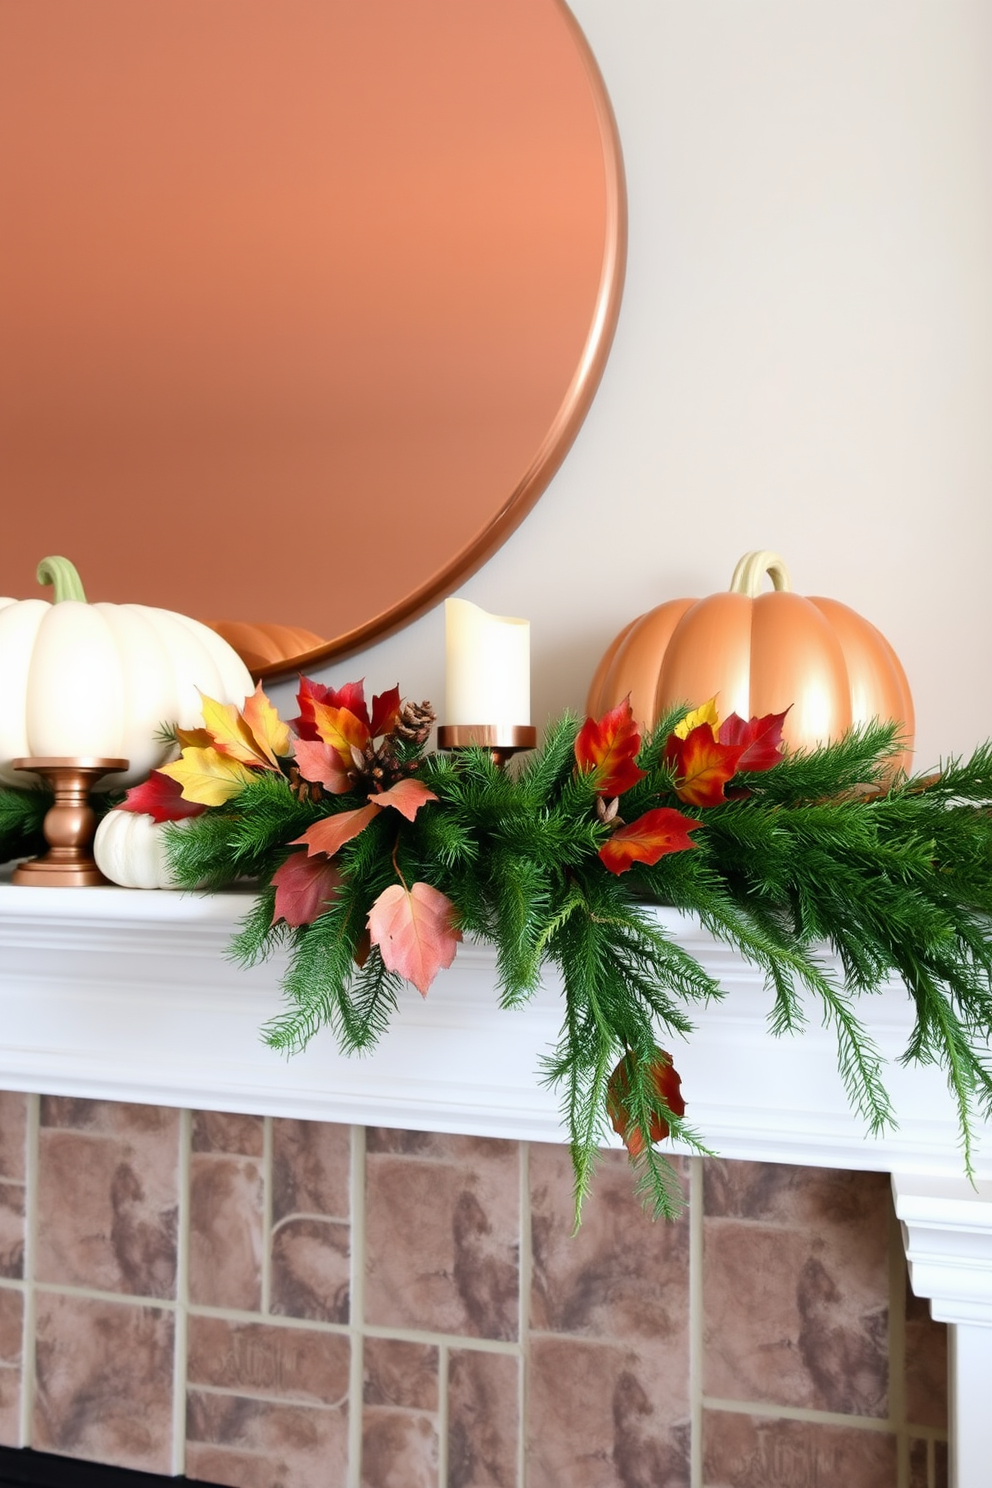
x=133 y=1299
x=180 y=1327
x=272 y=1397
x=31 y=1161
x=526 y=1286
x=356 y=1310
x=442 y=1415
x=771 y=1410
x=267 y=1215
x=897 y=1348
x=696 y=1322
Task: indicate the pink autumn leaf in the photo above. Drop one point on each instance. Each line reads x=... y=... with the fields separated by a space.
x=331 y=833
x=407 y=796
x=320 y=764
x=415 y=931
x=304 y=888
x=161 y=798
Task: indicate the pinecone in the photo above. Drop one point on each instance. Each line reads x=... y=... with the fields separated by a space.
x=415 y=722
x=304 y=790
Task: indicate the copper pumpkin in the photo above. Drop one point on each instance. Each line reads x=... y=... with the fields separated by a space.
x=759 y=653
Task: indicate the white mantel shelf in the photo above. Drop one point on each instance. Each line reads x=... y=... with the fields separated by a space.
x=127 y=995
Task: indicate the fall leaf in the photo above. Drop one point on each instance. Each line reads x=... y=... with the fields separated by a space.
x=318 y=762
x=350 y=696
x=341 y=729
x=407 y=796
x=198 y=738
x=331 y=833
x=230 y=733
x=648 y=838
x=161 y=798
x=385 y=712
x=668 y=1088
x=702 y=766
x=207 y=776
x=270 y=734
x=761 y=739
x=607 y=748
x=304 y=888
x=705 y=713
x=415 y=932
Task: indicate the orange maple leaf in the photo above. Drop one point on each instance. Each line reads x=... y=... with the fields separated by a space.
x=331 y=833
x=270 y=735
x=607 y=747
x=407 y=796
x=342 y=730
x=415 y=931
x=320 y=764
x=667 y=1086
x=702 y=766
x=648 y=838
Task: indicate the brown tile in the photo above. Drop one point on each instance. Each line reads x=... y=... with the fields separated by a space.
x=919 y=1472
x=11 y=1333
x=13 y=1134
x=221 y=1131
x=400 y=1373
x=104 y=1382
x=311 y=1270
x=442 y=1236
x=311 y=1168
x=621 y=1276
x=290 y=1364
x=225 y=1244
x=604 y=1416
x=12 y=1230
x=399 y=1450
x=926 y=1365
x=11 y=1324
x=257 y=1444
x=942 y=1471
x=107 y=1197
x=753 y=1452
x=795 y=1288
x=483 y=1419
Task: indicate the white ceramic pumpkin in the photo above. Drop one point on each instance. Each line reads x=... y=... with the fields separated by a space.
x=101 y=679
x=129 y=848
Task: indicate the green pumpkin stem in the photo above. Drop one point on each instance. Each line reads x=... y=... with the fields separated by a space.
x=62 y=575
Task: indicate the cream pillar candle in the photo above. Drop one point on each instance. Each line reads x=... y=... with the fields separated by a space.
x=487 y=666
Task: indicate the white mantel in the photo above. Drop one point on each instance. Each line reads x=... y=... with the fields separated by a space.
x=127 y=995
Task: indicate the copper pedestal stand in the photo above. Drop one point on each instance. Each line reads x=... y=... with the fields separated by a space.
x=69 y=824
x=501 y=740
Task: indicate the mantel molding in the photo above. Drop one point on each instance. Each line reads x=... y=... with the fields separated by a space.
x=127 y=995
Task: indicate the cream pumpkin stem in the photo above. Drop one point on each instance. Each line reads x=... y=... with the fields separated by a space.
x=750 y=572
x=62 y=575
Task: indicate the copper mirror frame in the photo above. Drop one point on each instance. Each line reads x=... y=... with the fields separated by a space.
x=301 y=305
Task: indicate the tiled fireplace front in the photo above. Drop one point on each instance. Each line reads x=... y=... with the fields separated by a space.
x=278 y=1303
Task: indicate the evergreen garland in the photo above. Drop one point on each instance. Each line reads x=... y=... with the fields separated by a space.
x=805 y=849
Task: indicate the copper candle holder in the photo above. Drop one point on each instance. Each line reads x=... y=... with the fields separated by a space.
x=501 y=740
x=69 y=824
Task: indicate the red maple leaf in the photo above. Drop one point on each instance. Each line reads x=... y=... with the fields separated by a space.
x=305 y=887
x=415 y=931
x=761 y=739
x=666 y=1083
x=648 y=838
x=350 y=696
x=161 y=798
x=385 y=712
x=607 y=747
x=701 y=765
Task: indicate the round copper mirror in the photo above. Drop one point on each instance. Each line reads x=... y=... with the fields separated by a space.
x=301 y=305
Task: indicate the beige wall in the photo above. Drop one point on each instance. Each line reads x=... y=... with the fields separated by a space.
x=804 y=355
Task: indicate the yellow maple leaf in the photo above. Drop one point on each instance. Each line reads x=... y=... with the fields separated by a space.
x=270 y=734
x=207 y=776
x=231 y=734
x=705 y=713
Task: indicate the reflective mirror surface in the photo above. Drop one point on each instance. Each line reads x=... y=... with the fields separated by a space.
x=301 y=304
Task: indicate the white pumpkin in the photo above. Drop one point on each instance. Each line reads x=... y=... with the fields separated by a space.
x=101 y=679
x=129 y=848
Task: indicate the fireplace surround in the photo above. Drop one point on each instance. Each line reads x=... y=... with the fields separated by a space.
x=114 y=996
